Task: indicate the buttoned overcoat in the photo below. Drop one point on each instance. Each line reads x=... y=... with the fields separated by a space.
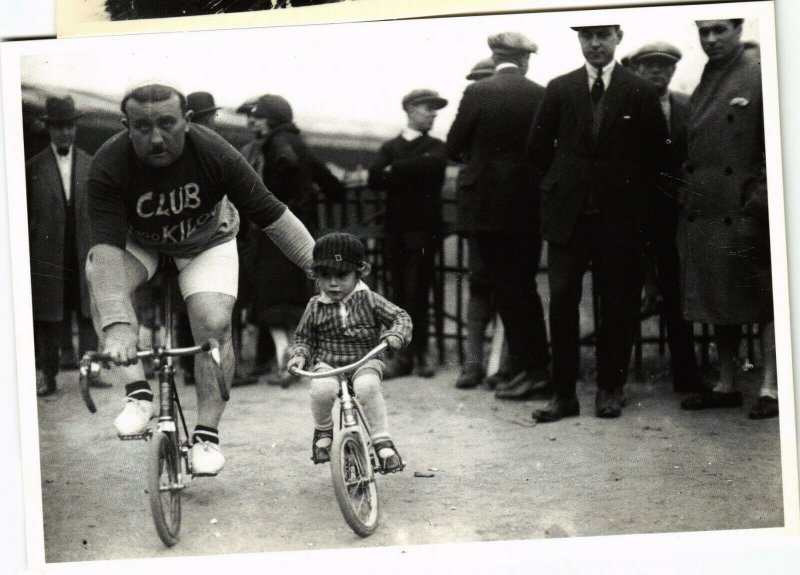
x=723 y=234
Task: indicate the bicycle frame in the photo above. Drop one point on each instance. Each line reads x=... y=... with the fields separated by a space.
x=353 y=458
x=168 y=447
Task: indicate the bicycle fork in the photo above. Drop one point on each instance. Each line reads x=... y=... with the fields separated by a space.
x=352 y=416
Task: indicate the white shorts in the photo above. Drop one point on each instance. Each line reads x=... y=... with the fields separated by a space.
x=214 y=270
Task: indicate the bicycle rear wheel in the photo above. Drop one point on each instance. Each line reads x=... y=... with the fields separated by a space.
x=165 y=491
x=354 y=481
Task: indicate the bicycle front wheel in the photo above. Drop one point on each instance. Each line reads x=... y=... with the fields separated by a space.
x=164 y=487
x=354 y=481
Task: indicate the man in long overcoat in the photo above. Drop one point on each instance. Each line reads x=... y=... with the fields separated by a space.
x=723 y=234
x=498 y=202
x=58 y=227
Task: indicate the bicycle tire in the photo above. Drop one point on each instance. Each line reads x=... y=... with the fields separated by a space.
x=354 y=481
x=165 y=496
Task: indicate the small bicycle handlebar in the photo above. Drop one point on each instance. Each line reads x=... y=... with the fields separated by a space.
x=345 y=368
x=93 y=360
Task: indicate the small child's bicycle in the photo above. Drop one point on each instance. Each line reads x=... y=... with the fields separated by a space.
x=165 y=478
x=353 y=458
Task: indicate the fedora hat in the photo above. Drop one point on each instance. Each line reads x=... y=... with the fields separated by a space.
x=201 y=103
x=59 y=109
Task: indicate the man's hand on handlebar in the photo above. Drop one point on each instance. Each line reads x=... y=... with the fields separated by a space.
x=121 y=343
x=393 y=341
x=295 y=362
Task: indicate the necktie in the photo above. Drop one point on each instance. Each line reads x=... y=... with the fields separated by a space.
x=598 y=88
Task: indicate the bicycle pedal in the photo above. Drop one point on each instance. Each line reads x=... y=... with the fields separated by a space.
x=147 y=435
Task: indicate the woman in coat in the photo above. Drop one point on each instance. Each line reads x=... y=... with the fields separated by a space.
x=295 y=176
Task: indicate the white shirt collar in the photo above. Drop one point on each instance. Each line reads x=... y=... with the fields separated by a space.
x=607 y=70
x=502 y=65
x=410 y=134
x=360 y=286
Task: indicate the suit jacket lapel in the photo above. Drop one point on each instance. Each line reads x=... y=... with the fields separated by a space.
x=613 y=100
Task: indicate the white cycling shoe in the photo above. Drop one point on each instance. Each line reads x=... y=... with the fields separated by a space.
x=207 y=458
x=134 y=418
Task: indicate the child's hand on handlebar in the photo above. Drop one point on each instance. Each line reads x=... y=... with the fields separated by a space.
x=296 y=362
x=393 y=341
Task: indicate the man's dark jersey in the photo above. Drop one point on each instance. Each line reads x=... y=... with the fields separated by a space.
x=179 y=210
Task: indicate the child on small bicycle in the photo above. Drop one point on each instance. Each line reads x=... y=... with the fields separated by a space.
x=338 y=327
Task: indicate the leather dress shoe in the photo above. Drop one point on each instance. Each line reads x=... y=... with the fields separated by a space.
x=500 y=380
x=558 y=408
x=282 y=380
x=712 y=399
x=471 y=376
x=607 y=403
x=523 y=386
x=424 y=369
x=45 y=385
x=764 y=408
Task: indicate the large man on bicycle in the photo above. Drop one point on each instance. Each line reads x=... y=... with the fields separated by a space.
x=166 y=187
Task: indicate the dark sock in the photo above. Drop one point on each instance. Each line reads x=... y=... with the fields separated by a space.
x=139 y=390
x=205 y=433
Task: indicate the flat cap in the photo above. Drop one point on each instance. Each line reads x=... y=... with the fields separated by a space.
x=656 y=49
x=422 y=96
x=247 y=106
x=276 y=109
x=482 y=69
x=511 y=43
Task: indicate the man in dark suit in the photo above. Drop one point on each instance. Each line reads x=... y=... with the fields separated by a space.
x=656 y=63
x=598 y=140
x=499 y=202
x=58 y=224
x=411 y=168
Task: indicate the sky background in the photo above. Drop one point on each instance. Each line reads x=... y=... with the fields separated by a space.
x=352 y=76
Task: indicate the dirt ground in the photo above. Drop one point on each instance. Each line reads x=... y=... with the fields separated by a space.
x=497 y=476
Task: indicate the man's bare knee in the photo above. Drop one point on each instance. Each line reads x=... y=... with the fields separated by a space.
x=210 y=315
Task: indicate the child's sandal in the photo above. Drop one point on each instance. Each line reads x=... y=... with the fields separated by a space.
x=321 y=454
x=391 y=464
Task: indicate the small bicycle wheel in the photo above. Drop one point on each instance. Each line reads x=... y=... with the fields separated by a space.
x=354 y=481
x=165 y=492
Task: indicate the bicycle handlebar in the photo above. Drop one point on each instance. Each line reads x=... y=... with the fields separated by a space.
x=93 y=360
x=345 y=368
